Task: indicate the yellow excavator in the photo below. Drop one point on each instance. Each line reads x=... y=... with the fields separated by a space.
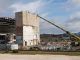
x=76 y=38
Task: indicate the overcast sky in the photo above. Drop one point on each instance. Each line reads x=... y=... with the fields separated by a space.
x=65 y=13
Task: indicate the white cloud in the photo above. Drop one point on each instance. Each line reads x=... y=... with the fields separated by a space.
x=4 y=4
x=73 y=27
x=73 y=21
x=31 y=6
x=71 y=5
x=73 y=24
x=45 y=14
x=75 y=15
x=76 y=1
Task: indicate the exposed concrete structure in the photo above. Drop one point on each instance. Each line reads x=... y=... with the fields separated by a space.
x=7 y=29
x=7 y=32
x=27 y=29
x=7 y=25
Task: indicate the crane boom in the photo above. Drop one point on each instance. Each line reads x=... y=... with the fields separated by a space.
x=69 y=33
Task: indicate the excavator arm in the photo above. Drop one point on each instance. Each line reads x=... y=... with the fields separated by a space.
x=69 y=33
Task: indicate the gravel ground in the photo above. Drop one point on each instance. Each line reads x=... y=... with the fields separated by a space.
x=37 y=57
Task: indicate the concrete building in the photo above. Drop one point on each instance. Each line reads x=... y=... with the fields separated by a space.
x=27 y=29
x=7 y=32
x=7 y=25
x=7 y=29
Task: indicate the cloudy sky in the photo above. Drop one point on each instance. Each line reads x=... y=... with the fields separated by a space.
x=65 y=13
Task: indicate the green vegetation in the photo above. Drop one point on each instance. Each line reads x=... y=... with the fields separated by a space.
x=43 y=53
x=52 y=53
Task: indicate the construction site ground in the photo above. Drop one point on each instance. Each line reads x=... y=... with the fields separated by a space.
x=37 y=57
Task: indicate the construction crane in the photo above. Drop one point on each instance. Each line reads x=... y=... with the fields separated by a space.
x=69 y=33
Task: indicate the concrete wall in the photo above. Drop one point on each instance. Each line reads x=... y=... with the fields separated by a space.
x=19 y=23
x=18 y=18
x=30 y=19
x=29 y=36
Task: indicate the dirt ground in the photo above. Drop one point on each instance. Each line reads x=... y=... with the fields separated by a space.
x=37 y=57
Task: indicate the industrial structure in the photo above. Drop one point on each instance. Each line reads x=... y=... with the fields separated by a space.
x=23 y=32
x=27 y=29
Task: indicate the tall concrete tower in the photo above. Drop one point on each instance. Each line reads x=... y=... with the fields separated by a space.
x=27 y=28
